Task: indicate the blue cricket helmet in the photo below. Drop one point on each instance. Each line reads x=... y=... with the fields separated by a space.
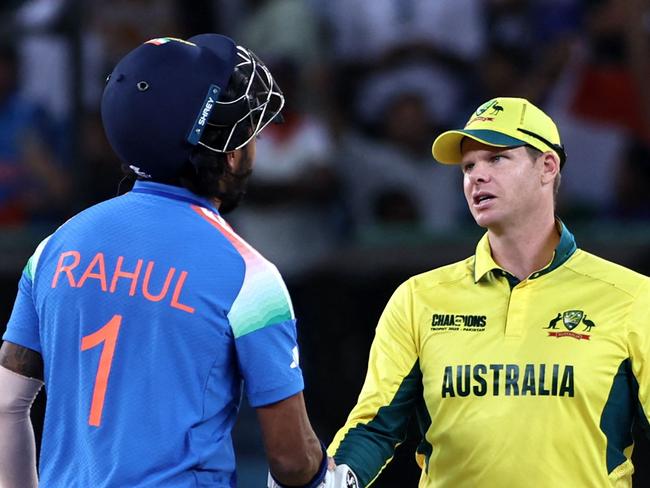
x=166 y=97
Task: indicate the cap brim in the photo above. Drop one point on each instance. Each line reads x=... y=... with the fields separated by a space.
x=446 y=148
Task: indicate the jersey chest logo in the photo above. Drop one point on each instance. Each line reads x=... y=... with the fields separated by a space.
x=571 y=319
x=458 y=322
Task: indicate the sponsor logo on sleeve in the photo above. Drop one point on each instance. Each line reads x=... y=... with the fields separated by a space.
x=296 y=358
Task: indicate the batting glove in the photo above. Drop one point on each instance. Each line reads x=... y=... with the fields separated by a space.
x=340 y=477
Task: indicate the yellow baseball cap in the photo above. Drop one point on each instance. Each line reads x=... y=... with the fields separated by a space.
x=502 y=122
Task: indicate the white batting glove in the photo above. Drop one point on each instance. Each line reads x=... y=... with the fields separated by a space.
x=340 y=477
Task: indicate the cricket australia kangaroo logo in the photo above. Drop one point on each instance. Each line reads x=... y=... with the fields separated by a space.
x=571 y=319
x=486 y=112
x=493 y=107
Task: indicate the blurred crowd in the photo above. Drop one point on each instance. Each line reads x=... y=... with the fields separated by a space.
x=368 y=83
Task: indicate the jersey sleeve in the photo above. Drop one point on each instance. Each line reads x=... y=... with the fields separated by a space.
x=639 y=351
x=378 y=422
x=264 y=327
x=22 y=328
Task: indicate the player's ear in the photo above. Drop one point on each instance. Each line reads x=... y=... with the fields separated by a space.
x=230 y=160
x=550 y=166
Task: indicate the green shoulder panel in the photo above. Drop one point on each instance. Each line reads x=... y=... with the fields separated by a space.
x=619 y=414
x=32 y=264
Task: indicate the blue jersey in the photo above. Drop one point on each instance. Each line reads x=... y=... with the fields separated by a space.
x=152 y=316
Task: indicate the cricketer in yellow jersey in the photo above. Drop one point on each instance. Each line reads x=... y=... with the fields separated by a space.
x=525 y=364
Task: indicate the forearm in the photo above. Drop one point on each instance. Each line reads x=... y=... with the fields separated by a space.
x=294 y=452
x=295 y=455
x=17 y=444
x=299 y=467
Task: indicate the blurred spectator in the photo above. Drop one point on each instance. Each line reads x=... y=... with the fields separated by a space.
x=528 y=46
x=435 y=89
x=388 y=38
x=291 y=210
x=611 y=87
x=33 y=186
x=282 y=28
x=111 y=29
x=122 y=24
x=376 y=31
x=594 y=152
x=291 y=30
x=601 y=104
x=45 y=47
x=528 y=24
x=392 y=187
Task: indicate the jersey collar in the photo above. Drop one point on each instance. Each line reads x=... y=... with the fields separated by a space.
x=484 y=263
x=173 y=192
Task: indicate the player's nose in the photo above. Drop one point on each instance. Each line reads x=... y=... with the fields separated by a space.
x=480 y=173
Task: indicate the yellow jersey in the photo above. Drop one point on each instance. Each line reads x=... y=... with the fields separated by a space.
x=514 y=383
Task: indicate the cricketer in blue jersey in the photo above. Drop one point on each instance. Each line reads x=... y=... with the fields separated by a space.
x=147 y=316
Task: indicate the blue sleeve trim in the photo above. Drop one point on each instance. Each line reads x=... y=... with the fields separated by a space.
x=261 y=399
x=21 y=338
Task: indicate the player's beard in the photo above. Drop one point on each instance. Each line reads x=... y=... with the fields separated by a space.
x=231 y=199
x=237 y=181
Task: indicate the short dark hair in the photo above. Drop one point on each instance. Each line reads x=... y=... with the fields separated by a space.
x=201 y=174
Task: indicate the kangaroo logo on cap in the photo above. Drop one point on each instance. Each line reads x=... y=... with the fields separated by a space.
x=492 y=104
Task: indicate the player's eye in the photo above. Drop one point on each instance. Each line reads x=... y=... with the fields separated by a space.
x=496 y=158
x=466 y=168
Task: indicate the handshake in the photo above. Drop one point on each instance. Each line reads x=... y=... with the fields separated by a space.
x=336 y=477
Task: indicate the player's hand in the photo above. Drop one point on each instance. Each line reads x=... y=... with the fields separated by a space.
x=336 y=477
